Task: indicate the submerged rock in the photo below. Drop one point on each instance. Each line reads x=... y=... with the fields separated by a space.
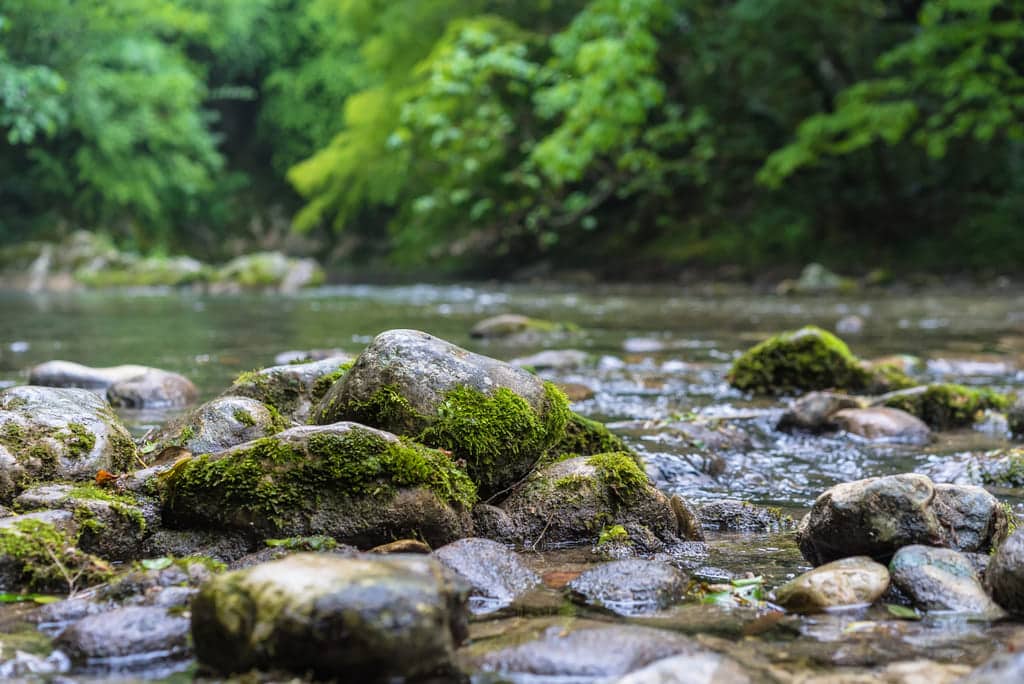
x=729 y=515
x=358 y=619
x=494 y=572
x=812 y=411
x=941 y=579
x=630 y=587
x=219 y=424
x=153 y=389
x=49 y=433
x=139 y=632
x=882 y=424
x=291 y=389
x=850 y=581
x=573 y=501
x=359 y=485
x=878 y=516
x=804 y=360
x=497 y=418
x=515 y=325
x=1005 y=574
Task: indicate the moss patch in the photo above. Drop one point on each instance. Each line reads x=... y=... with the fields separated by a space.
x=324 y=382
x=616 y=534
x=585 y=437
x=804 y=360
x=48 y=559
x=273 y=480
x=621 y=474
x=944 y=406
x=386 y=409
x=244 y=417
x=280 y=390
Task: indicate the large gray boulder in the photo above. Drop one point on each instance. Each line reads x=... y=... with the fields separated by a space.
x=941 y=579
x=219 y=424
x=359 y=485
x=878 y=516
x=49 y=433
x=377 y=619
x=497 y=418
x=1005 y=574
x=291 y=389
x=573 y=501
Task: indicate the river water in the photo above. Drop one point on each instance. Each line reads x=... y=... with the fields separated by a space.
x=658 y=360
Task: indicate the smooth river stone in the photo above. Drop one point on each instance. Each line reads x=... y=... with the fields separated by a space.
x=850 y=581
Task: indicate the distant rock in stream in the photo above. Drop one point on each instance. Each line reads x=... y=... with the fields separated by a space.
x=128 y=386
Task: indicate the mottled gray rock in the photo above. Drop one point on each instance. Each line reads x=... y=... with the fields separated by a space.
x=70 y=374
x=153 y=389
x=113 y=526
x=1005 y=573
x=878 y=516
x=492 y=522
x=553 y=359
x=1002 y=668
x=697 y=668
x=630 y=587
x=217 y=425
x=359 y=485
x=223 y=545
x=941 y=579
x=361 y=619
x=272 y=271
x=49 y=433
x=141 y=632
x=498 y=418
x=572 y=501
x=590 y=652
x=812 y=411
x=882 y=424
x=849 y=581
x=295 y=356
x=494 y=572
x=292 y=389
x=730 y=515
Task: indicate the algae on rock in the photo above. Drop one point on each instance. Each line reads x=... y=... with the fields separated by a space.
x=945 y=405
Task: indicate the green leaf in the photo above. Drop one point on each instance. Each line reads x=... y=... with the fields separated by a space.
x=157 y=563
x=902 y=612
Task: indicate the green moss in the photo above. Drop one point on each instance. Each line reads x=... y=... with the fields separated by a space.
x=244 y=417
x=891 y=377
x=79 y=440
x=212 y=564
x=585 y=437
x=324 y=382
x=945 y=406
x=187 y=433
x=800 y=361
x=317 y=542
x=278 y=423
x=621 y=474
x=89 y=491
x=49 y=559
x=272 y=480
x=616 y=534
x=274 y=388
x=386 y=409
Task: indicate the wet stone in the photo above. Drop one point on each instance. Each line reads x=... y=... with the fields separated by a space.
x=730 y=515
x=941 y=580
x=143 y=632
x=882 y=424
x=495 y=573
x=698 y=668
x=846 y=582
x=630 y=587
x=1000 y=669
x=1005 y=574
x=812 y=411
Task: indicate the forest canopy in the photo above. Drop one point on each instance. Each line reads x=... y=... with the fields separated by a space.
x=481 y=136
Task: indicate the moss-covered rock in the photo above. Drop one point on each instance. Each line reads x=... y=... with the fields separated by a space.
x=268 y=271
x=808 y=359
x=368 y=619
x=39 y=552
x=498 y=419
x=945 y=405
x=575 y=500
x=359 y=485
x=217 y=425
x=291 y=389
x=49 y=433
x=517 y=326
x=586 y=437
x=144 y=272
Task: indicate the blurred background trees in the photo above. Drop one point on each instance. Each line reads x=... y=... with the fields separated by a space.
x=479 y=136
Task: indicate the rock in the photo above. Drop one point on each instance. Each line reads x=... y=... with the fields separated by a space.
x=217 y=425
x=291 y=389
x=812 y=411
x=941 y=579
x=359 y=485
x=585 y=437
x=589 y=652
x=850 y=325
x=267 y=271
x=630 y=587
x=881 y=424
x=1015 y=417
x=226 y=546
x=730 y=515
x=142 y=632
x=999 y=669
x=1005 y=574
x=804 y=360
x=112 y=525
x=553 y=359
x=401 y=546
x=515 y=325
x=498 y=419
x=49 y=433
x=30 y=542
x=878 y=516
x=153 y=389
x=945 y=406
x=997 y=468
x=849 y=581
x=494 y=572
x=357 y=619
x=24 y=665
x=493 y=523
x=306 y=355
x=68 y=374
x=816 y=279
x=572 y=501
x=697 y=668
x=132 y=271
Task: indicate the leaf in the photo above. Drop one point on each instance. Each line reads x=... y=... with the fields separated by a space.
x=41 y=599
x=157 y=563
x=902 y=612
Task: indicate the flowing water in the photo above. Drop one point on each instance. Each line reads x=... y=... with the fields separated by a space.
x=658 y=358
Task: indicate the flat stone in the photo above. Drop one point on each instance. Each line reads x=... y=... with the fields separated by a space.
x=847 y=582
